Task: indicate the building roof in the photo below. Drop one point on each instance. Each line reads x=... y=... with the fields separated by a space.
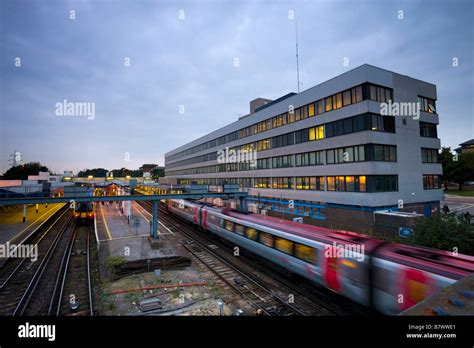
x=469 y=142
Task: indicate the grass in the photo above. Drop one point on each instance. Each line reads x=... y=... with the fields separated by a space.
x=463 y=193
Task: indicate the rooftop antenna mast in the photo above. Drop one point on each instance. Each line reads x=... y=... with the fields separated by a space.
x=15 y=158
x=297 y=60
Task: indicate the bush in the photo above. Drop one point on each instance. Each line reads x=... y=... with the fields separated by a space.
x=445 y=231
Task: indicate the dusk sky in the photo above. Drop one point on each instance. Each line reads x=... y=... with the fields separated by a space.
x=190 y=62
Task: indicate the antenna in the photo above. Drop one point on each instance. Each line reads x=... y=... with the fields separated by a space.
x=15 y=158
x=297 y=62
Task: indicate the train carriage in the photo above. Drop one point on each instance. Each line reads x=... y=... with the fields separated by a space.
x=389 y=277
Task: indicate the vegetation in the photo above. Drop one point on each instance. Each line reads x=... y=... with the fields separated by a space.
x=21 y=172
x=117 y=173
x=112 y=263
x=446 y=231
x=456 y=168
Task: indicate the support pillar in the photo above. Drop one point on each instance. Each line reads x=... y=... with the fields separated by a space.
x=37 y=207
x=243 y=203
x=155 y=220
x=24 y=212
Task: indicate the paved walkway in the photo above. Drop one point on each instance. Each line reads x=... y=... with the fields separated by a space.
x=12 y=227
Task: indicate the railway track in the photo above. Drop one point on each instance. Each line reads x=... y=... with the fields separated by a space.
x=243 y=275
x=20 y=277
x=72 y=294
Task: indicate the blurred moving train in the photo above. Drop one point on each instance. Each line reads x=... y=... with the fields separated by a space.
x=84 y=213
x=388 y=277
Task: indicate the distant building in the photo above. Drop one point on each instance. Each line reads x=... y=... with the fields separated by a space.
x=44 y=177
x=332 y=145
x=466 y=147
x=148 y=168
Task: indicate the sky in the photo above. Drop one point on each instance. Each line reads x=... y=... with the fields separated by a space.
x=162 y=73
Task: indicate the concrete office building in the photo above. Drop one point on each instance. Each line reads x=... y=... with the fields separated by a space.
x=334 y=154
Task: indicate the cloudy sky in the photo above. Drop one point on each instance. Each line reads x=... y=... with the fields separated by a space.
x=183 y=53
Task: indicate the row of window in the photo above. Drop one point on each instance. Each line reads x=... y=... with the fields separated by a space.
x=348 y=183
x=429 y=155
x=358 y=153
x=431 y=182
x=348 y=125
x=333 y=102
x=300 y=251
x=310 y=183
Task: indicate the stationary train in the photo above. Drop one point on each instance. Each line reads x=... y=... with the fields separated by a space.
x=388 y=277
x=84 y=213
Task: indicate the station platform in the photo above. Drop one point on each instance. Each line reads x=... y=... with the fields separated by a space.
x=132 y=242
x=12 y=227
x=456 y=299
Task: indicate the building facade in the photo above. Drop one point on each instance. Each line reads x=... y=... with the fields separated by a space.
x=363 y=141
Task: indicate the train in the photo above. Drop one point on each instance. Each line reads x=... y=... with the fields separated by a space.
x=383 y=276
x=83 y=213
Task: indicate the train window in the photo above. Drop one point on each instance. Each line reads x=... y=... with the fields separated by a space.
x=305 y=253
x=251 y=233
x=284 y=245
x=266 y=239
x=212 y=219
x=229 y=225
x=239 y=229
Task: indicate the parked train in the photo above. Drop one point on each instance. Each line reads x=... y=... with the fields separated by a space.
x=84 y=213
x=388 y=277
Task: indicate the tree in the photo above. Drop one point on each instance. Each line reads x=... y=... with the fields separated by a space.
x=457 y=168
x=21 y=172
x=96 y=173
x=445 y=231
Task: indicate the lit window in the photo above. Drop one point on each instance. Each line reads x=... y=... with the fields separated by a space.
x=239 y=229
x=338 y=101
x=311 y=110
x=362 y=183
x=312 y=134
x=305 y=253
x=328 y=104
x=331 y=183
x=284 y=245
x=320 y=132
x=266 y=239
x=251 y=233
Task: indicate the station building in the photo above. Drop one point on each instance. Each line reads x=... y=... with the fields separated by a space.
x=362 y=142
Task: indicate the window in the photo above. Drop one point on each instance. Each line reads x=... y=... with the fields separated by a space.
x=331 y=183
x=428 y=130
x=229 y=225
x=239 y=229
x=266 y=239
x=431 y=182
x=320 y=106
x=251 y=233
x=427 y=104
x=305 y=253
x=382 y=183
x=328 y=102
x=429 y=155
x=350 y=184
x=284 y=245
x=346 y=97
x=338 y=104
x=362 y=183
x=311 y=110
